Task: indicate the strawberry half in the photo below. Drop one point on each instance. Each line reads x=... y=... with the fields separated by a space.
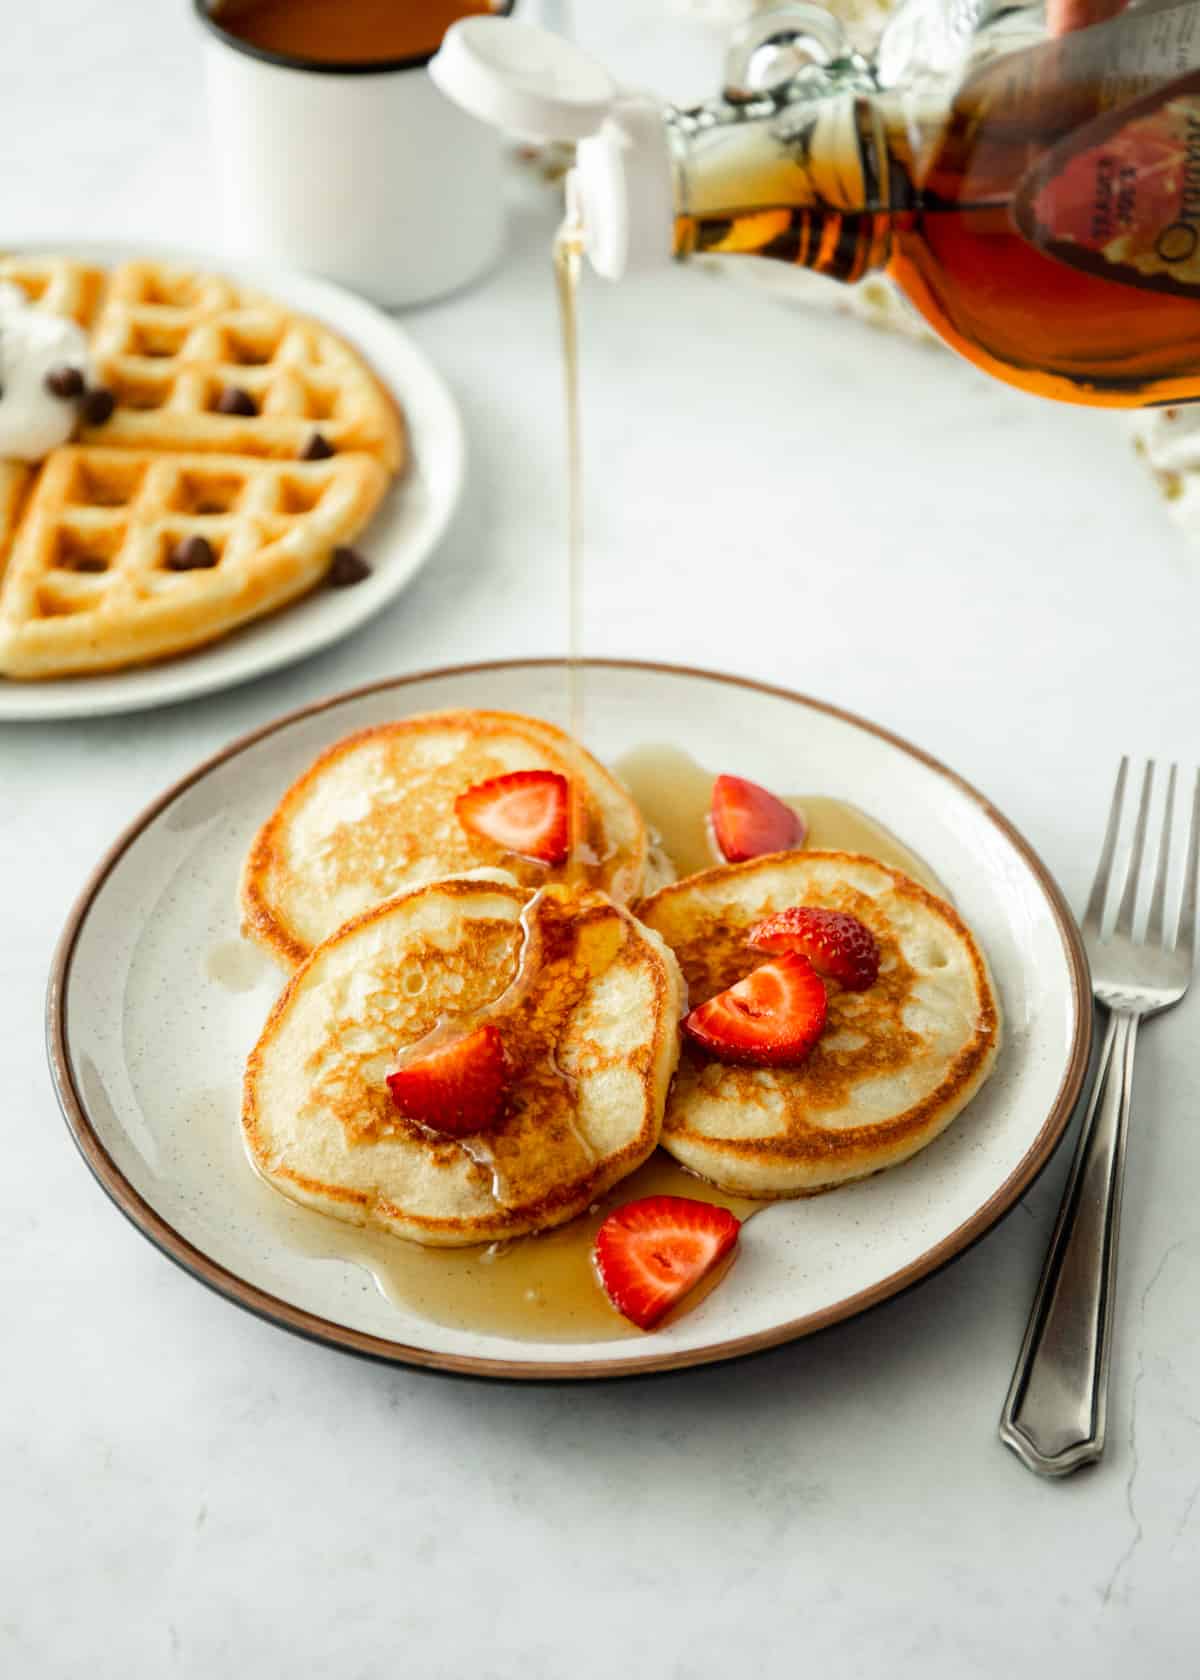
x=525 y=812
x=837 y=944
x=748 y=821
x=772 y=1018
x=458 y=1088
x=650 y=1253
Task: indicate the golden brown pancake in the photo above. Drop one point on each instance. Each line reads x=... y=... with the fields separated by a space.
x=895 y=1064
x=375 y=815
x=589 y=1027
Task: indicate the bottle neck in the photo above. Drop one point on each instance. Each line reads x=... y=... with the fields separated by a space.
x=810 y=183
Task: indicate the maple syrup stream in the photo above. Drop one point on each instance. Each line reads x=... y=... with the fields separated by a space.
x=568 y=250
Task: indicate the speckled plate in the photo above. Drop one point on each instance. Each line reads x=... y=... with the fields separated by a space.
x=399 y=539
x=152 y=1010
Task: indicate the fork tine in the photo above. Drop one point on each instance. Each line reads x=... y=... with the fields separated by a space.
x=1124 y=922
x=1154 y=925
x=1185 y=937
x=1094 y=914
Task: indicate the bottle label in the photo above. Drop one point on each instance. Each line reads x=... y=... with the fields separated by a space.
x=1120 y=197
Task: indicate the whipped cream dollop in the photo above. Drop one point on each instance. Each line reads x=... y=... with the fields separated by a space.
x=34 y=344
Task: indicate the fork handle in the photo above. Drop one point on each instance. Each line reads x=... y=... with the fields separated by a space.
x=1054 y=1415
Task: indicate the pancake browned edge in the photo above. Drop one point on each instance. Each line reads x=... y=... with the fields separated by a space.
x=895 y=1064
x=374 y=816
x=590 y=1037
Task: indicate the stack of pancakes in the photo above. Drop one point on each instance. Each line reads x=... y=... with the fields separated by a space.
x=402 y=926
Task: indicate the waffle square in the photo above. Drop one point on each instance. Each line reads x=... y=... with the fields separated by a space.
x=92 y=582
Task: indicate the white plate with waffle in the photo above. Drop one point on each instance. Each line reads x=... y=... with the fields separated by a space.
x=110 y=511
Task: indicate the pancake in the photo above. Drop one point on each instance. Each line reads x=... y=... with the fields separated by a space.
x=375 y=816
x=589 y=1026
x=895 y=1063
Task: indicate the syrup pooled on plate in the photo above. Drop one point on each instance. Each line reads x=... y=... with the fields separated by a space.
x=539 y=1288
x=236 y=965
x=674 y=794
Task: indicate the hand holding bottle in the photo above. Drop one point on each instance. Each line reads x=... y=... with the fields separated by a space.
x=1064 y=15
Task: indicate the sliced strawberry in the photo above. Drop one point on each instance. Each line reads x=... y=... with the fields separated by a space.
x=525 y=812
x=748 y=821
x=650 y=1253
x=458 y=1088
x=837 y=944
x=772 y=1018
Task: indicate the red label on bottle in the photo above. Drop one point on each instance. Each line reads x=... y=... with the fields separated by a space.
x=1120 y=197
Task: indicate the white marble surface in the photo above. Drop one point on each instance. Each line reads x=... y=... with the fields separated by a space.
x=190 y=1492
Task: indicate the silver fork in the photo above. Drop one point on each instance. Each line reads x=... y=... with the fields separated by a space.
x=1055 y=1412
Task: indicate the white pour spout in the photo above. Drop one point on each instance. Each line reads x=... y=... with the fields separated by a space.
x=539 y=85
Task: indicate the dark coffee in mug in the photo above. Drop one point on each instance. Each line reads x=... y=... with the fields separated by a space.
x=345 y=31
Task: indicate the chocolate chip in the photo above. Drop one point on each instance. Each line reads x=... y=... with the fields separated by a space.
x=66 y=382
x=191 y=554
x=317 y=448
x=233 y=400
x=348 y=568
x=98 y=405
x=89 y=563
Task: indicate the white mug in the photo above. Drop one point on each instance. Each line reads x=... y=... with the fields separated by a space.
x=362 y=173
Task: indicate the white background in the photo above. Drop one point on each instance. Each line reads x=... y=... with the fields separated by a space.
x=189 y=1492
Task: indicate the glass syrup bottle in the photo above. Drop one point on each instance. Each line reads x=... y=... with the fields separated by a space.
x=1037 y=200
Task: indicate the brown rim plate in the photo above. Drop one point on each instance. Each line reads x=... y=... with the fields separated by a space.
x=150 y=1010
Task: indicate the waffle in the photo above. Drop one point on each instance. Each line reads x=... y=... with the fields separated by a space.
x=168 y=342
x=91 y=538
x=54 y=283
x=91 y=586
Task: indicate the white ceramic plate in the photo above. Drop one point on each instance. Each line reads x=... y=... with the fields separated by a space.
x=398 y=540
x=147 y=1048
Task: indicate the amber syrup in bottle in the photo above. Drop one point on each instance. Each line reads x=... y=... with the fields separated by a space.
x=1043 y=215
